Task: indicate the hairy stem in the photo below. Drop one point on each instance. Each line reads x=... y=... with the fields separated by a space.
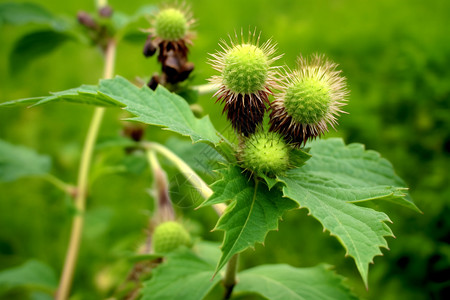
x=82 y=184
x=187 y=171
x=229 y=280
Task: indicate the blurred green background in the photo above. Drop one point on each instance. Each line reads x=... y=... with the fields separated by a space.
x=396 y=56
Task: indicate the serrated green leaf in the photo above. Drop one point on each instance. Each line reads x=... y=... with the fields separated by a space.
x=18 y=161
x=24 y=13
x=32 y=274
x=284 y=282
x=183 y=276
x=336 y=176
x=160 y=108
x=252 y=213
x=34 y=45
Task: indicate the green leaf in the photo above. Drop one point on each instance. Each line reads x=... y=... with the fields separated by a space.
x=24 y=13
x=288 y=283
x=252 y=213
x=34 y=45
x=160 y=108
x=32 y=274
x=183 y=276
x=18 y=161
x=336 y=177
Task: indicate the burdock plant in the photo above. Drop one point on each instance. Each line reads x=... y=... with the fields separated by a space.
x=275 y=167
x=247 y=78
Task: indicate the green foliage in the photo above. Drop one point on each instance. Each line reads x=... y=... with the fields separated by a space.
x=32 y=274
x=397 y=69
x=251 y=214
x=336 y=177
x=286 y=282
x=33 y=45
x=18 y=161
x=183 y=276
x=24 y=13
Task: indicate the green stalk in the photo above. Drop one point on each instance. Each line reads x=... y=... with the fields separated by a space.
x=229 y=280
x=208 y=88
x=187 y=171
x=82 y=184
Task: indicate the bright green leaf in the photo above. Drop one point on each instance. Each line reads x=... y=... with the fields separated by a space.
x=160 y=108
x=182 y=276
x=18 y=161
x=338 y=175
x=283 y=282
x=252 y=213
x=34 y=45
x=32 y=274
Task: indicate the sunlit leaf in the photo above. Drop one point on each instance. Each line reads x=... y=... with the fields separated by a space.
x=331 y=182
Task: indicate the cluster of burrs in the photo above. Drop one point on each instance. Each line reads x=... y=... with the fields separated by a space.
x=306 y=100
x=170 y=36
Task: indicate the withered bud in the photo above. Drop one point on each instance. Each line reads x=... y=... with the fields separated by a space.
x=149 y=47
x=86 y=20
x=105 y=11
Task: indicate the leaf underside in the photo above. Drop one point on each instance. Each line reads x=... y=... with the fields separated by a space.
x=336 y=177
x=284 y=282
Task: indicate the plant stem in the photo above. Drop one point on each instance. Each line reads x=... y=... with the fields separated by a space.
x=164 y=209
x=65 y=187
x=229 y=280
x=82 y=185
x=208 y=88
x=187 y=171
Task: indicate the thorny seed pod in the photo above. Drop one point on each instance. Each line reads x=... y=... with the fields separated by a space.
x=264 y=152
x=168 y=236
x=246 y=79
x=310 y=99
x=170 y=34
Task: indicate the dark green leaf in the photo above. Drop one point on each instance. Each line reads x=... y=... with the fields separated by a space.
x=32 y=274
x=18 y=161
x=183 y=276
x=252 y=213
x=34 y=45
x=284 y=282
x=24 y=13
x=333 y=179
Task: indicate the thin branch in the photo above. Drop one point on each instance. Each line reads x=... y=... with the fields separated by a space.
x=198 y=183
x=82 y=186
